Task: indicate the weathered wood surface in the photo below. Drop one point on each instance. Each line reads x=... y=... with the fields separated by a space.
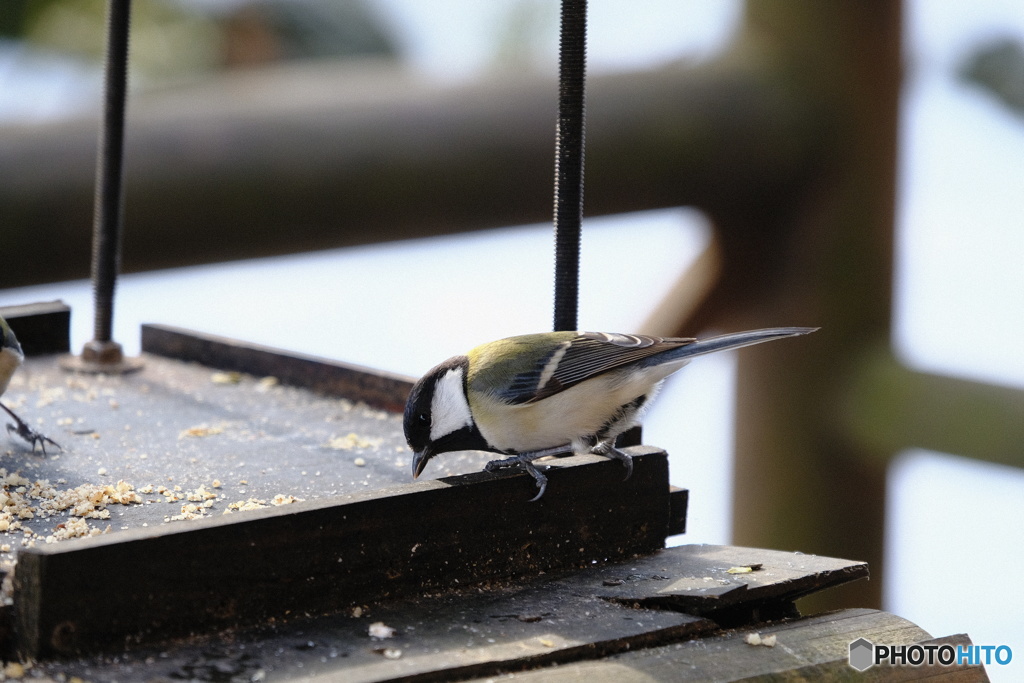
x=541 y=619
x=377 y=388
x=321 y=556
x=809 y=649
x=722 y=587
x=175 y=425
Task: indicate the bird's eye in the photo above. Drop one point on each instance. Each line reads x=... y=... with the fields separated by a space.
x=424 y=418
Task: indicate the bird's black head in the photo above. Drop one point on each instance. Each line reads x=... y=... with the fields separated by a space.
x=437 y=415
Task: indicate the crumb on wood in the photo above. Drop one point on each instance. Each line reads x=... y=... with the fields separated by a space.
x=757 y=639
x=200 y=431
x=380 y=630
x=352 y=441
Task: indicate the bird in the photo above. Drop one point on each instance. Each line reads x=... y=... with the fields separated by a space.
x=551 y=393
x=11 y=357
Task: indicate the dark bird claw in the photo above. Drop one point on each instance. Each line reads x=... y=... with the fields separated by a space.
x=525 y=461
x=31 y=436
x=608 y=450
x=605 y=449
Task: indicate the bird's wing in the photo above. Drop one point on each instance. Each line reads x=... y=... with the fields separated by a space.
x=587 y=355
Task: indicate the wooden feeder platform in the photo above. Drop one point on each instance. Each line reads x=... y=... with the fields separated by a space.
x=268 y=529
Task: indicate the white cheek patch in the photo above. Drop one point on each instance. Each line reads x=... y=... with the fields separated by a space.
x=449 y=411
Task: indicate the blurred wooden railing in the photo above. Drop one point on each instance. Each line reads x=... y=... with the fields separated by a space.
x=787 y=141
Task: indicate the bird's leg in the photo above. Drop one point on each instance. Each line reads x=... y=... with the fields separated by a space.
x=525 y=460
x=528 y=457
x=27 y=433
x=607 y=449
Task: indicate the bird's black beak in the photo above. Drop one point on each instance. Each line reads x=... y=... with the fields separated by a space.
x=419 y=461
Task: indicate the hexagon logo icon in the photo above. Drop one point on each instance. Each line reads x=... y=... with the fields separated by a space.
x=862 y=654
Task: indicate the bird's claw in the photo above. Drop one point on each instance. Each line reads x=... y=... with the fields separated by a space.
x=32 y=437
x=608 y=450
x=496 y=465
x=527 y=464
x=27 y=433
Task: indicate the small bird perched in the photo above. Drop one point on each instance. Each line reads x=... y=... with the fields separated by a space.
x=11 y=357
x=551 y=393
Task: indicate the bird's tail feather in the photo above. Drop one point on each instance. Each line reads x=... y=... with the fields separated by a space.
x=734 y=340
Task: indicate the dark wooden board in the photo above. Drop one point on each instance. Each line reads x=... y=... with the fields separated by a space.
x=42 y=328
x=379 y=389
x=321 y=556
x=539 y=621
x=558 y=618
x=679 y=499
x=717 y=583
x=809 y=649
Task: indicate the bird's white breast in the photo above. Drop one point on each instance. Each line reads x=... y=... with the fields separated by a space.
x=567 y=416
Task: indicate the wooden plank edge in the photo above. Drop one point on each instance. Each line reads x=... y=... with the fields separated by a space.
x=105 y=593
x=806 y=649
x=679 y=502
x=377 y=388
x=549 y=662
x=745 y=598
x=42 y=328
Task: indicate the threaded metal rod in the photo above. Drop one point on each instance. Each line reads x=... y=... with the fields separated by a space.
x=108 y=211
x=572 y=58
x=102 y=353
